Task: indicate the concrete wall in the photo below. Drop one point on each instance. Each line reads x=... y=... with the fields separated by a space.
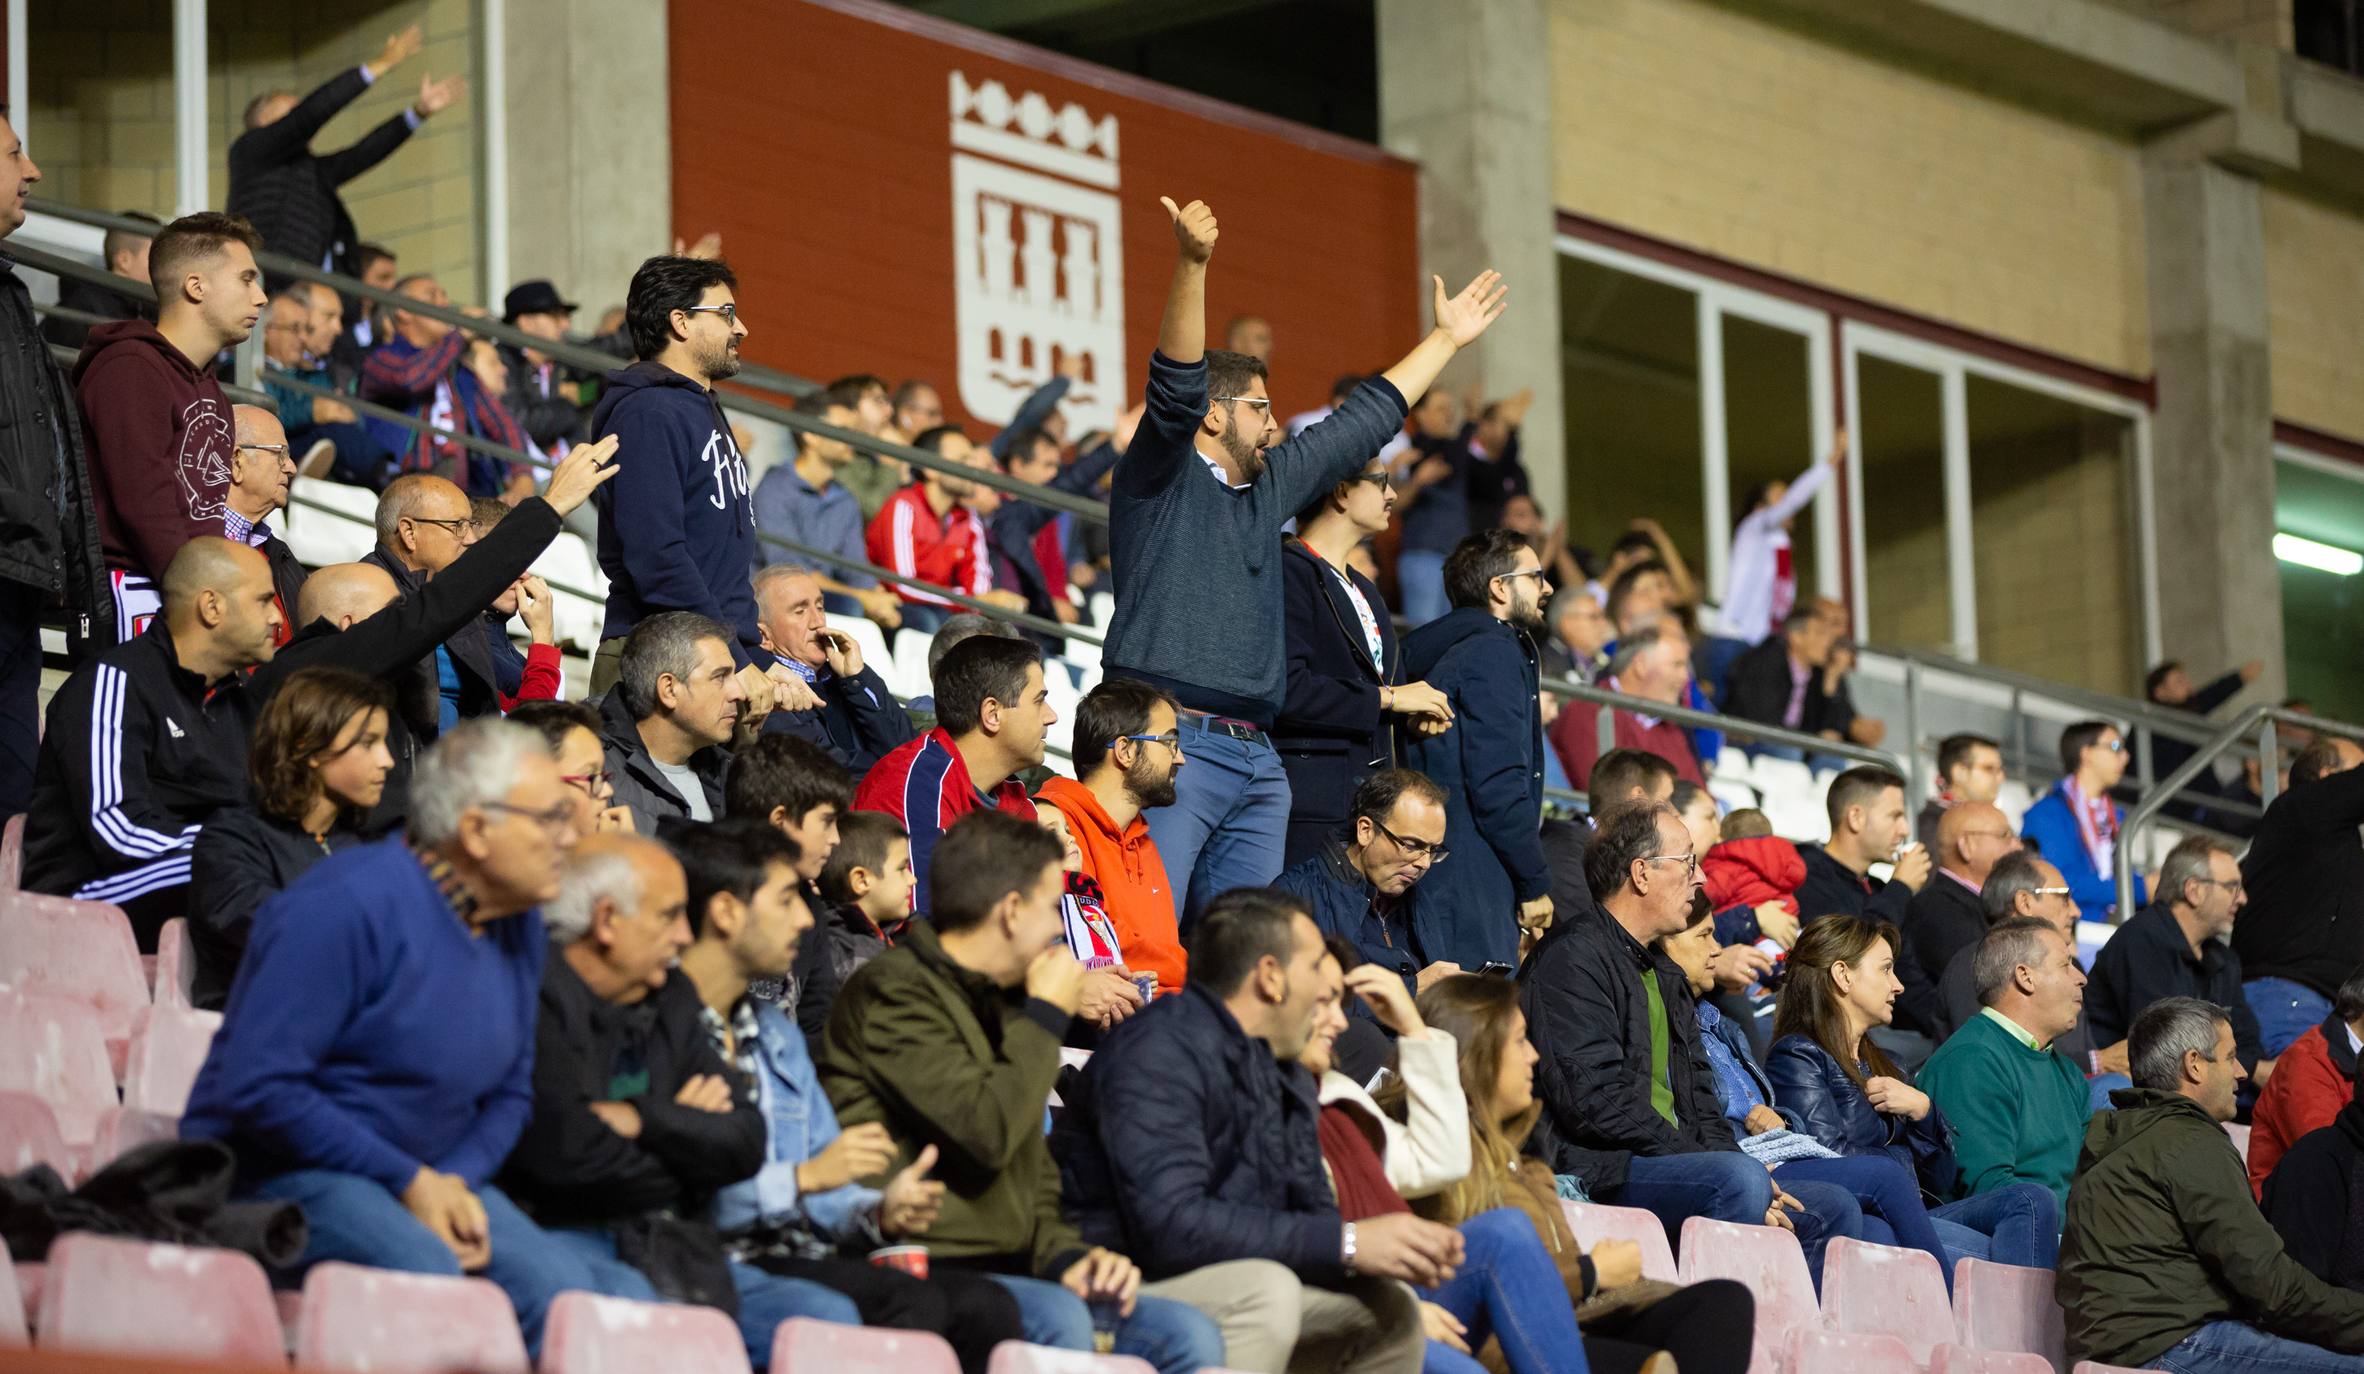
x=2314 y=279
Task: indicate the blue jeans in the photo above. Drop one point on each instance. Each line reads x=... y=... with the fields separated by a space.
x=1420 y=585
x=2018 y=1223
x=1889 y=1196
x=1229 y=824
x=1175 y=1337
x=2101 y=1085
x=2285 y=1010
x=355 y=1220
x=2233 y=1348
x=1726 y=1185
x=765 y=1300
x=1507 y=1287
x=1714 y=663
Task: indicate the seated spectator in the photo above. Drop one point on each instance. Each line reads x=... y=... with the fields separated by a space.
x=358 y=458
x=1364 y=886
x=951 y=1041
x=803 y=501
x=929 y=531
x=1014 y=533
x=844 y=706
x=1703 y=1326
x=1630 y=1103
x=2310 y=1197
x=1578 y=630
x=866 y=891
x=375 y=1065
x=1867 y=826
x=1969 y=769
x=1110 y=994
x=536 y=673
x=1344 y=668
x=1489 y=765
x=1126 y=749
x=2075 y=825
x=147 y=740
x=2304 y=875
x=318 y=764
x=1653 y=663
x=1783 y=681
x=2313 y=1080
x=1857 y=728
x=286 y=325
x=2165 y=1261
x=2175 y=947
x=871 y=478
x=260 y=473
x=1947 y=915
x=540 y=394
x=801 y=1213
x=571 y=729
x=121 y=252
x=1194 y=1140
x=424 y=524
x=2017 y=1104
x=794 y=786
x=992 y=718
x=2023 y=885
x=1750 y=869
x=376 y=265
x=669 y=720
x=916 y=406
x=956 y=628
x=422 y=371
x=1619 y=778
x=1761 y=586
x=638 y=1115
x=1844 y=1091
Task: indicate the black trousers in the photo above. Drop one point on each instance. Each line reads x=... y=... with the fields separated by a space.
x=20 y=694
x=969 y=1310
x=1708 y=1328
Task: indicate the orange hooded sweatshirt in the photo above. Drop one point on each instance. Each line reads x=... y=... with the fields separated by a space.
x=1132 y=879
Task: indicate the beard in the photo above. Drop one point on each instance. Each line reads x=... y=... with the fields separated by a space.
x=1527 y=614
x=1150 y=790
x=722 y=362
x=1242 y=450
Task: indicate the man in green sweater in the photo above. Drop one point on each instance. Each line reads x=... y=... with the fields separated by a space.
x=2018 y=1105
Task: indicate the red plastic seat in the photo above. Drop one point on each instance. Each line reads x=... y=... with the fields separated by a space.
x=375 y=1321
x=53 y=1049
x=805 y=1346
x=167 y=1049
x=176 y=965
x=1594 y=1222
x=29 y=1136
x=1817 y=1351
x=2006 y=1307
x=14 y=1329
x=83 y=951
x=1874 y=1289
x=589 y=1334
x=1959 y=1359
x=133 y=1298
x=1017 y=1357
x=1766 y=1259
x=121 y=1129
x=2097 y=1367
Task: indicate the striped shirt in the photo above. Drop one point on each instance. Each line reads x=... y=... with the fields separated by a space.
x=926 y=785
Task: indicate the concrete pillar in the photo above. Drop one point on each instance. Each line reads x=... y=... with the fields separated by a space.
x=1465 y=89
x=2220 y=596
x=590 y=146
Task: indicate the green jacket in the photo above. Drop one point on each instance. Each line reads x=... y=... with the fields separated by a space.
x=2163 y=1237
x=943 y=1056
x=2018 y=1114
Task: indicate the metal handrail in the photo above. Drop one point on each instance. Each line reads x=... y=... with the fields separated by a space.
x=1023 y=619
x=1573 y=690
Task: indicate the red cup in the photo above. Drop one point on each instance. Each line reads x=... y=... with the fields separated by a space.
x=911 y=1259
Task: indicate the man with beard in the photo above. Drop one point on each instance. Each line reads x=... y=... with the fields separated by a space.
x=1362 y=884
x=838 y=701
x=1127 y=751
x=1481 y=655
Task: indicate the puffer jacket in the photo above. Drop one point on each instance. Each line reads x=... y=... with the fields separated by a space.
x=1815 y=1091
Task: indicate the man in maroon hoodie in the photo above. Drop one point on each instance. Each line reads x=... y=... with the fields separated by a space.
x=159 y=430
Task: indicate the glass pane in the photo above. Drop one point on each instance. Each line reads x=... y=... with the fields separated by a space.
x=2052 y=520
x=2322 y=612
x=1630 y=367
x=1769 y=425
x=1902 y=449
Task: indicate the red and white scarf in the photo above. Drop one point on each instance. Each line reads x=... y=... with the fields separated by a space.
x=2097 y=824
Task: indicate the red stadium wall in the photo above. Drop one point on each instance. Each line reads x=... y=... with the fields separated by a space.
x=908 y=197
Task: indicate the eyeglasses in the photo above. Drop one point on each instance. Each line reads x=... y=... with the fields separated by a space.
x=462 y=530
x=590 y=783
x=559 y=820
x=1259 y=402
x=2233 y=885
x=2115 y=746
x=1690 y=862
x=1536 y=573
x=2048 y=891
x=1413 y=849
x=1377 y=479
x=1171 y=739
x=728 y=311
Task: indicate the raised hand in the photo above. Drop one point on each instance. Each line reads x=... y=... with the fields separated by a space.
x=1194 y=228
x=1383 y=992
x=1465 y=316
x=400 y=48
x=579 y=473
x=842 y=653
x=436 y=96
x=534 y=607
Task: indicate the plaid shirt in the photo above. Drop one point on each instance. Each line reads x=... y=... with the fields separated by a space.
x=741 y=1042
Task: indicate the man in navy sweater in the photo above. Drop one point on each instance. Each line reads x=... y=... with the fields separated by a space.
x=1195 y=520
x=376 y=1063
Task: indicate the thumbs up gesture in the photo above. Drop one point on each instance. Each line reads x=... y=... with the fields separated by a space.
x=912 y=1199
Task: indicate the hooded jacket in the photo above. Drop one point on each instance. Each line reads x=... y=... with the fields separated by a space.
x=48 y=523
x=2313 y=1200
x=2313 y=1080
x=159 y=432
x=1330 y=733
x=1132 y=878
x=1750 y=872
x=2162 y=1237
x=676 y=525
x=1490 y=765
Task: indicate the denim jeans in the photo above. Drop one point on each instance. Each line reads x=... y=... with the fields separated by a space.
x=1229 y=824
x=1726 y=1185
x=1507 y=1287
x=1888 y=1194
x=1420 y=585
x=765 y=1300
x=1174 y=1337
x=355 y=1220
x=2285 y=1009
x=2234 y=1348
x=2101 y=1085
x=2019 y=1221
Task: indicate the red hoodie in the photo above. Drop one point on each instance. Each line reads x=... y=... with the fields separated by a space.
x=159 y=434
x=1753 y=871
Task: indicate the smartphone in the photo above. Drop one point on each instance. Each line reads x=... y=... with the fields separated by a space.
x=1495 y=969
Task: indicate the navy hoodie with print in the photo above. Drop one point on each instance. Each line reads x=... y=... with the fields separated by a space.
x=676 y=524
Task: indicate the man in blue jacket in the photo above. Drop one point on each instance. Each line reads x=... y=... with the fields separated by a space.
x=2075 y=825
x=1481 y=655
x=1363 y=885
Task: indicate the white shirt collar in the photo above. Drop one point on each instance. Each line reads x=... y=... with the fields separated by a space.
x=1220 y=475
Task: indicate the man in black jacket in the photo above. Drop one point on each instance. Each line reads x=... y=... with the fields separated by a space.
x=1946 y=916
x=424 y=522
x=1012 y=531
x=541 y=393
x=261 y=470
x=1868 y=825
x=1780 y=682
x=837 y=701
x=668 y=722
x=638 y=1120
x=2311 y=1198
x=2172 y=948
x=288 y=193
x=2304 y=930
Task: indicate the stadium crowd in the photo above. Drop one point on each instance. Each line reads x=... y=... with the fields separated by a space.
x=731 y=980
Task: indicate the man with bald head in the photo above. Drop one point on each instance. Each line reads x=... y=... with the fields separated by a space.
x=2303 y=931
x=148 y=739
x=261 y=471
x=344 y=594
x=424 y=523
x=1945 y=916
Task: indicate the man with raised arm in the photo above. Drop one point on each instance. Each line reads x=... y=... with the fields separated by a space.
x=1195 y=517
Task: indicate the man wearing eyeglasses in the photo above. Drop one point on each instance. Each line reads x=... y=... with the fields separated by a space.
x=1127 y=756
x=1363 y=884
x=425 y=523
x=2075 y=825
x=260 y=472
x=2177 y=947
x=1946 y=916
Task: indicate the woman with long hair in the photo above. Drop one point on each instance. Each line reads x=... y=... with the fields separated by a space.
x=317 y=763
x=1842 y=1089
x=1706 y=1327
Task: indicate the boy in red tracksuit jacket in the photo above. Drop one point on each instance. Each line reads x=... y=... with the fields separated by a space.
x=1751 y=870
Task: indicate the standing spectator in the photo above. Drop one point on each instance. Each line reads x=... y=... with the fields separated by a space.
x=929 y=531
x=2075 y=825
x=424 y=524
x=121 y=252
x=51 y=561
x=1194 y=526
x=288 y=192
x=1343 y=664
x=1969 y=769
x=951 y=1041
x=1948 y=915
x=803 y=501
x=838 y=701
x=1654 y=663
x=260 y=473
x=1435 y=495
x=679 y=534
x=2165 y=1261
x=1761 y=578
x=1496 y=476
x=428 y=371
x=992 y=718
x=1481 y=656
x=2017 y=1103
x=2176 y=947
x=157 y=424
x=539 y=395
x=2313 y=1079
x=2304 y=874
x=1127 y=754
x=669 y=718
x=1250 y=335
x=1579 y=627
x=376 y=266
x=1522 y=515
x=1867 y=826
x=1363 y=885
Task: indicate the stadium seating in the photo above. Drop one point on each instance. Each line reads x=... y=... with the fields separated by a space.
x=587 y=1334
x=14 y=1330
x=121 y=1129
x=1767 y=1259
x=1595 y=1222
x=1816 y=1351
x=167 y=1050
x=52 y=1048
x=2006 y=1307
x=341 y=534
x=2097 y=1367
x=1957 y=1359
x=80 y=951
x=29 y=1135
x=136 y=1298
x=176 y=964
x=1017 y=1357
x=1874 y=1289
x=805 y=1346
x=372 y=1321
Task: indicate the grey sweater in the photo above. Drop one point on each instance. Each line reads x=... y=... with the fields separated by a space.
x=1197 y=563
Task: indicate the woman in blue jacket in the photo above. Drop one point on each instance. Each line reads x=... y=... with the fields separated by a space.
x=1839 y=1087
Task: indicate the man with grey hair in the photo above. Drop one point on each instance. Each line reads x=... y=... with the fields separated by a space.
x=1652 y=662
x=424 y=524
x=375 y=1066
x=2023 y=885
x=261 y=470
x=2165 y=1260
x=835 y=699
x=667 y=722
x=2017 y=1103
x=1579 y=630
x=2176 y=947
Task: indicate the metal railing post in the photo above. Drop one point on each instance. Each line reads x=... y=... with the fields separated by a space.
x=2269 y=763
x=1919 y=775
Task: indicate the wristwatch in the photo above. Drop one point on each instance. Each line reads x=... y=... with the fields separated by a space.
x=1346 y=1250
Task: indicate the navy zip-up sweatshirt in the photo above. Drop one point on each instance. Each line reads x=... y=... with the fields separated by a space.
x=1197 y=564
x=676 y=522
